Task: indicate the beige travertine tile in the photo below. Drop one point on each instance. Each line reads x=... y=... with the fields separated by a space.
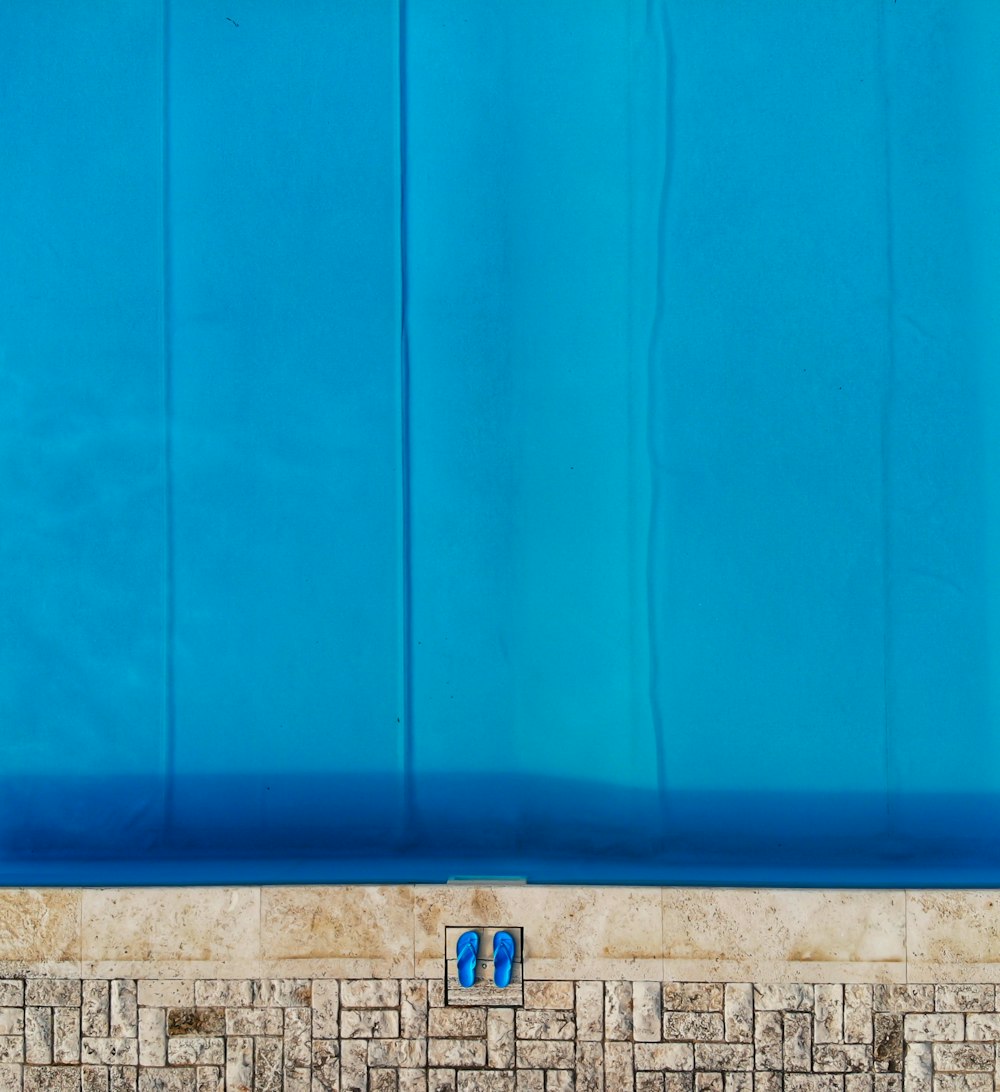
x=736 y=970
x=169 y=932
x=171 y=968
x=696 y=934
x=352 y=931
x=40 y=927
x=586 y=932
x=714 y=934
x=953 y=936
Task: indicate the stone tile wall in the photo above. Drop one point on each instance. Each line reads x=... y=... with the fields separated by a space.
x=397 y=1035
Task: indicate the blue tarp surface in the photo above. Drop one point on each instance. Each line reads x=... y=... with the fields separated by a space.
x=554 y=439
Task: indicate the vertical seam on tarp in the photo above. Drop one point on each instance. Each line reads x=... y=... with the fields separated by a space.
x=657 y=341
x=404 y=426
x=638 y=620
x=169 y=598
x=882 y=65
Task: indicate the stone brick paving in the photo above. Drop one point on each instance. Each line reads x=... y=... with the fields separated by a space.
x=397 y=1035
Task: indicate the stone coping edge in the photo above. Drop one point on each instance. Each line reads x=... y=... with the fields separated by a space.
x=571 y=932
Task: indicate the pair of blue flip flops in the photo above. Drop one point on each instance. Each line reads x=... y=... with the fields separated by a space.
x=468 y=953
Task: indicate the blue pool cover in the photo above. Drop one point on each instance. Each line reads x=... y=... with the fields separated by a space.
x=549 y=438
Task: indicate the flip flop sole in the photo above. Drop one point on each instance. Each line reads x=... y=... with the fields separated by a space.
x=467 y=950
x=503 y=958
